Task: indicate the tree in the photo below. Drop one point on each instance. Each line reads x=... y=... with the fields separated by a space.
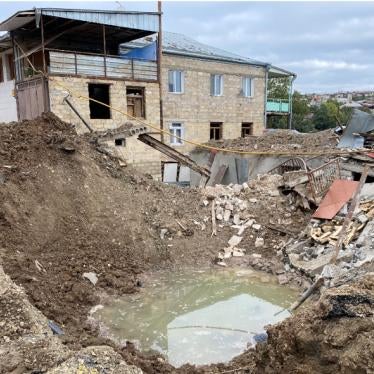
x=278 y=88
x=330 y=115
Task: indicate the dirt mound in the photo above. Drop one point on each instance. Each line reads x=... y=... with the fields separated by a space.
x=66 y=209
x=282 y=140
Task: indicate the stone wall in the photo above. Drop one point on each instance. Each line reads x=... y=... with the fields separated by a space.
x=134 y=152
x=196 y=108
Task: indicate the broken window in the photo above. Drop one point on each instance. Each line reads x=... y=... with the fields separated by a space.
x=176 y=81
x=135 y=101
x=99 y=92
x=120 y=142
x=176 y=131
x=247 y=129
x=216 y=85
x=247 y=86
x=216 y=130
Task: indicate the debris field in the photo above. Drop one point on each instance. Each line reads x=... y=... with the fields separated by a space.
x=76 y=225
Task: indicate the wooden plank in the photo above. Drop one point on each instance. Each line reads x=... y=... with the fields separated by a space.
x=349 y=216
x=220 y=174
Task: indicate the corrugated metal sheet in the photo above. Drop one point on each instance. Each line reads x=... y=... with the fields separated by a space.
x=131 y=20
x=360 y=122
x=17 y=20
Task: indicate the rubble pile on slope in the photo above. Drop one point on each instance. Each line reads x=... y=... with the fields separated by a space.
x=282 y=140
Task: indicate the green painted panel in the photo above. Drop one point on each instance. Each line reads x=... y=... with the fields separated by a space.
x=277 y=106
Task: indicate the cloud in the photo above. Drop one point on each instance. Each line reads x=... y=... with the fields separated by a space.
x=328 y=65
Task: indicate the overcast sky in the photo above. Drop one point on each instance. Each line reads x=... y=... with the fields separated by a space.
x=329 y=45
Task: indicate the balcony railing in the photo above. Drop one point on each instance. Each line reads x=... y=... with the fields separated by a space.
x=95 y=65
x=277 y=105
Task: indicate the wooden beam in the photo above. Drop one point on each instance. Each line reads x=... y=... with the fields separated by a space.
x=174 y=154
x=51 y=39
x=349 y=216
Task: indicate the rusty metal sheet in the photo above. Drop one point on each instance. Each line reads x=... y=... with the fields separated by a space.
x=339 y=193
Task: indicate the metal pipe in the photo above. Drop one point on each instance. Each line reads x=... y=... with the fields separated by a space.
x=290 y=103
x=78 y=114
x=266 y=95
x=159 y=66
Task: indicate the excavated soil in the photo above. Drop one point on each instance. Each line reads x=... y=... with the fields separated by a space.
x=67 y=209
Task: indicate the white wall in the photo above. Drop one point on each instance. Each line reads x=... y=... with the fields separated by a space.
x=8 y=105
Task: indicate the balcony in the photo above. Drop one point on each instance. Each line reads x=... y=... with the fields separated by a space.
x=96 y=65
x=278 y=106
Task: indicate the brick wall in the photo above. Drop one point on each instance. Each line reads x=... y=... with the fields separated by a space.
x=135 y=152
x=196 y=108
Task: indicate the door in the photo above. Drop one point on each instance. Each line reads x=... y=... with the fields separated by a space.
x=32 y=99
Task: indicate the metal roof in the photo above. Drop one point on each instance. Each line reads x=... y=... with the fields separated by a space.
x=175 y=43
x=360 y=122
x=148 y=21
x=179 y=44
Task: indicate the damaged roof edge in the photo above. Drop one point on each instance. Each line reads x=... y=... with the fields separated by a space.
x=138 y=20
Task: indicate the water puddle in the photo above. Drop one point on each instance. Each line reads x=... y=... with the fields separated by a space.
x=198 y=317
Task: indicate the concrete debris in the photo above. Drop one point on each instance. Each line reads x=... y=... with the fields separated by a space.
x=92 y=277
x=259 y=242
x=256 y=227
x=313 y=254
x=163 y=232
x=234 y=241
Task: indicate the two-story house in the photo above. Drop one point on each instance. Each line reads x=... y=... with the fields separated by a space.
x=193 y=91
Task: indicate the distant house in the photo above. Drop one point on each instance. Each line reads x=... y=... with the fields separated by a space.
x=114 y=57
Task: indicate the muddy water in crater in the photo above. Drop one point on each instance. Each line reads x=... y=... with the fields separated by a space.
x=197 y=317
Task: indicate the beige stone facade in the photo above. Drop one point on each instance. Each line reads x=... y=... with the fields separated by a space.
x=134 y=152
x=195 y=108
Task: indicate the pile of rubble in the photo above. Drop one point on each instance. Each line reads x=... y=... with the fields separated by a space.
x=316 y=249
x=247 y=208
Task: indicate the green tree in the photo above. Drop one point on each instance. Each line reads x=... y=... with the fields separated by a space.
x=278 y=88
x=330 y=115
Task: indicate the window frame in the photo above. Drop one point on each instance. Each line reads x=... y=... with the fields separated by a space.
x=213 y=85
x=173 y=73
x=246 y=126
x=216 y=126
x=244 y=86
x=173 y=127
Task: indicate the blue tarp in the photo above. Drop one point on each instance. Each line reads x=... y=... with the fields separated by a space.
x=148 y=52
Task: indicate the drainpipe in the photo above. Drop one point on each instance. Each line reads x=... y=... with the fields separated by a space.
x=290 y=103
x=159 y=67
x=266 y=94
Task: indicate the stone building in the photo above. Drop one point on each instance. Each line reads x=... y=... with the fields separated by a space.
x=62 y=60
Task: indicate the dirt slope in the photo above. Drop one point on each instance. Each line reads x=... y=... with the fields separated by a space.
x=76 y=212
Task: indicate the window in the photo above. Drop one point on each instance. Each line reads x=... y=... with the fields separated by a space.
x=176 y=81
x=120 y=142
x=99 y=92
x=135 y=101
x=247 y=129
x=216 y=85
x=247 y=86
x=215 y=130
x=176 y=130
